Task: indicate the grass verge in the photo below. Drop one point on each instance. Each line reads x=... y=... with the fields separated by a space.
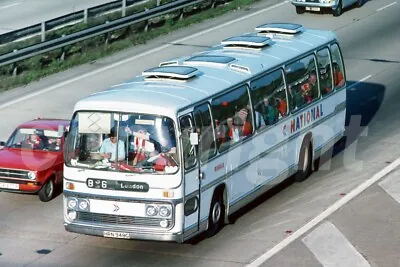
x=37 y=67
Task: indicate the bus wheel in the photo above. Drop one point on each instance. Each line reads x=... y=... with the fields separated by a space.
x=216 y=216
x=360 y=3
x=46 y=193
x=305 y=162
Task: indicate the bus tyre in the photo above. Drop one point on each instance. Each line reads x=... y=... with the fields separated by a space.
x=360 y=3
x=305 y=162
x=46 y=193
x=300 y=9
x=338 y=10
x=216 y=216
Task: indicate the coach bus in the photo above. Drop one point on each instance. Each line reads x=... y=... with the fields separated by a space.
x=173 y=152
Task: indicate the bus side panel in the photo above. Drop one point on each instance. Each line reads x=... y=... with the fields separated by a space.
x=334 y=114
x=191 y=191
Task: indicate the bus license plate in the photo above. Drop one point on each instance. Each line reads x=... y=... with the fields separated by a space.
x=116 y=234
x=313 y=8
x=9 y=186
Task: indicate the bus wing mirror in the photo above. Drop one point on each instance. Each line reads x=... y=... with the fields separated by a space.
x=60 y=130
x=194 y=139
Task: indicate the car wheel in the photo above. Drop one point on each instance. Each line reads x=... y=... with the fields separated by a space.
x=338 y=10
x=300 y=9
x=46 y=193
x=216 y=216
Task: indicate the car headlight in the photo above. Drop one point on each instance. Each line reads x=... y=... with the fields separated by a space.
x=165 y=211
x=72 y=203
x=151 y=210
x=83 y=204
x=32 y=175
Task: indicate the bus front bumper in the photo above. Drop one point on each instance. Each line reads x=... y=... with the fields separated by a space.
x=124 y=233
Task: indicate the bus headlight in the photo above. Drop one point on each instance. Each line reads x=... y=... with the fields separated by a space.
x=71 y=214
x=32 y=175
x=72 y=203
x=151 y=210
x=165 y=211
x=164 y=223
x=83 y=204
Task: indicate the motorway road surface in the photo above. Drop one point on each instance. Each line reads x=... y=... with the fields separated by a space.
x=363 y=232
x=16 y=14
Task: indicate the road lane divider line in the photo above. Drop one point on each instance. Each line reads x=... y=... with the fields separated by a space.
x=149 y=52
x=389 y=5
x=322 y=216
x=8 y=6
x=331 y=248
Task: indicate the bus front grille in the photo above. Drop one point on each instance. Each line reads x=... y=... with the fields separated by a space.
x=120 y=220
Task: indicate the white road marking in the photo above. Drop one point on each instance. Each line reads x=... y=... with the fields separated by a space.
x=160 y=48
x=332 y=249
x=360 y=81
x=391 y=185
x=8 y=6
x=322 y=216
x=389 y=5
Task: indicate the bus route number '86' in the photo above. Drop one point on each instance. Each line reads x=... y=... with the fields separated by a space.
x=96 y=183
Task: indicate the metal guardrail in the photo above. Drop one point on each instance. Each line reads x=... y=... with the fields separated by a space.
x=73 y=38
x=82 y=15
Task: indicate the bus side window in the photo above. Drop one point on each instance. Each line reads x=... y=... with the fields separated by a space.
x=204 y=127
x=232 y=117
x=325 y=74
x=337 y=66
x=189 y=155
x=270 y=100
x=302 y=82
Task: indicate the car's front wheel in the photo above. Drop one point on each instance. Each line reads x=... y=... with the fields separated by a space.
x=46 y=193
x=338 y=10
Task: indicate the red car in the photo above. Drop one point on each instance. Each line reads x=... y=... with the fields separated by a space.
x=31 y=161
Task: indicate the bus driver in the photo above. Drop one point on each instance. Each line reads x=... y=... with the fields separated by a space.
x=108 y=148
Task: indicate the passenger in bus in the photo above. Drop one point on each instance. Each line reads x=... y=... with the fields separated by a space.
x=244 y=122
x=338 y=79
x=259 y=120
x=269 y=111
x=142 y=147
x=309 y=89
x=281 y=106
x=295 y=97
x=220 y=132
x=325 y=81
x=108 y=149
x=233 y=130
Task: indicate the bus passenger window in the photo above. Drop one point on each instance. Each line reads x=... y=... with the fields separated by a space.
x=324 y=68
x=205 y=129
x=337 y=66
x=232 y=117
x=269 y=97
x=302 y=82
x=187 y=127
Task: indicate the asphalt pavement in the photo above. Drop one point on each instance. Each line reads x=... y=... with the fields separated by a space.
x=363 y=232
